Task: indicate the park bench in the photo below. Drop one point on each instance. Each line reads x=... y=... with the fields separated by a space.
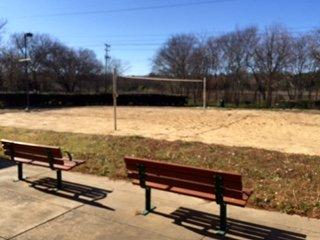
x=222 y=187
x=39 y=155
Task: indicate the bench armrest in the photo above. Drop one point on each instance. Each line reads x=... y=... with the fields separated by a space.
x=247 y=191
x=69 y=155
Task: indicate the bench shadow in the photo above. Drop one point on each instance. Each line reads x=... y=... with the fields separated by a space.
x=77 y=192
x=207 y=225
x=5 y=163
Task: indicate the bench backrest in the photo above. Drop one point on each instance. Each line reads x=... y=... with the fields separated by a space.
x=174 y=175
x=32 y=151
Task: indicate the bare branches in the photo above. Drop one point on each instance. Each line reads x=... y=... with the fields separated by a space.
x=2 y=24
x=272 y=64
x=53 y=67
x=246 y=60
x=182 y=56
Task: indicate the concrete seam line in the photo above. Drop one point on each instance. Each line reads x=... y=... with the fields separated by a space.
x=47 y=221
x=39 y=198
x=127 y=224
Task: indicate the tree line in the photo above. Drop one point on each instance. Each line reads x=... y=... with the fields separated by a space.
x=54 y=67
x=247 y=65
x=258 y=67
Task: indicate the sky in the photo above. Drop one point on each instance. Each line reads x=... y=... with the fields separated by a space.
x=135 y=29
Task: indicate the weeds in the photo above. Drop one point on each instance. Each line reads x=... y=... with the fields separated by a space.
x=283 y=182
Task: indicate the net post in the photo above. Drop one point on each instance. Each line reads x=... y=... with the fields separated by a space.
x=115 y=95
x=204 y=92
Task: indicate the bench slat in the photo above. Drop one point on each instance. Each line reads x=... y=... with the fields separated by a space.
x=31 y=148
x=189 y=176
x=206 y=176
x=207 y=196
x=34 y=157
x=182 y=183
x=187 y=180
x=37 y=155
x=68 y=165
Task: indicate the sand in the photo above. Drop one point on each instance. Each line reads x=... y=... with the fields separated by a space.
x=285 y=131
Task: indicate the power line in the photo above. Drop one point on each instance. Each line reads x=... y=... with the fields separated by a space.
x=164 y=6
x=131 y=46
x=152 y=45
x=136 y=49
x=290 y=29
x=121 y=49
x=137 y=44
x=157 y=44
x=118 y=35
x=148 y=34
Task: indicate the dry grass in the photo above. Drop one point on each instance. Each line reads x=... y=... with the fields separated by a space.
x=284 y=182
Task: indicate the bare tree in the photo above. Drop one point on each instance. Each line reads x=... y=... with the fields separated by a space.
x=315 y=46
x=235 y=52
x=314 y=83
x=272 y=56
x=39 y=48
x=121 y=66
x=88 y=68
x=238 y=63
x=182 y=56
x=214 y=66
x=299 y=64
x=175 y=58
x=11 y=71
x=2 y=24
x=53 y=67
x=62 y=63
x=73 y=70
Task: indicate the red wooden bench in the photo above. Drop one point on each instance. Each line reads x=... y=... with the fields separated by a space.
x=222 y=187
x=39 y=155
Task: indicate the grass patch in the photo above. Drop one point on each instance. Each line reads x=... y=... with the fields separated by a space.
x=288 y=183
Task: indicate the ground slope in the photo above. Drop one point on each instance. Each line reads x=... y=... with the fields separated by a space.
x=285 y=131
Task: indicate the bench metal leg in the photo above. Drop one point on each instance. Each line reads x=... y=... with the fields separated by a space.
x=20 y=171
x=223 y=219
x=59 y=179
x=148 y=207
x=219 y=190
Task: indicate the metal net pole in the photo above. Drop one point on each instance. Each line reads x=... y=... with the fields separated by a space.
x=115 y=95
x=204 y=92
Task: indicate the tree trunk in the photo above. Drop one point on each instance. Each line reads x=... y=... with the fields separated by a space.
x=269 y=98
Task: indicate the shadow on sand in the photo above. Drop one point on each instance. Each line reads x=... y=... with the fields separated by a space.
x=207 y=225
x=73 y=191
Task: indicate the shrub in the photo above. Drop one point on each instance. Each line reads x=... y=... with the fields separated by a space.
x=62 y=99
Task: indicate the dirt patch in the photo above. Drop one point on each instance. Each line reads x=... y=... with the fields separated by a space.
x=285 y=131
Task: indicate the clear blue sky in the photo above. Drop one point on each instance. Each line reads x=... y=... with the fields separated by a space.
x=136 y=28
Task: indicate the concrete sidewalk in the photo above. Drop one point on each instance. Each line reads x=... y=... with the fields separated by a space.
x=91 y=207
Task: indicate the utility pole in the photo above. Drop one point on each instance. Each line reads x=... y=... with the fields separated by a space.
x=107 y=58
x=26 y=36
